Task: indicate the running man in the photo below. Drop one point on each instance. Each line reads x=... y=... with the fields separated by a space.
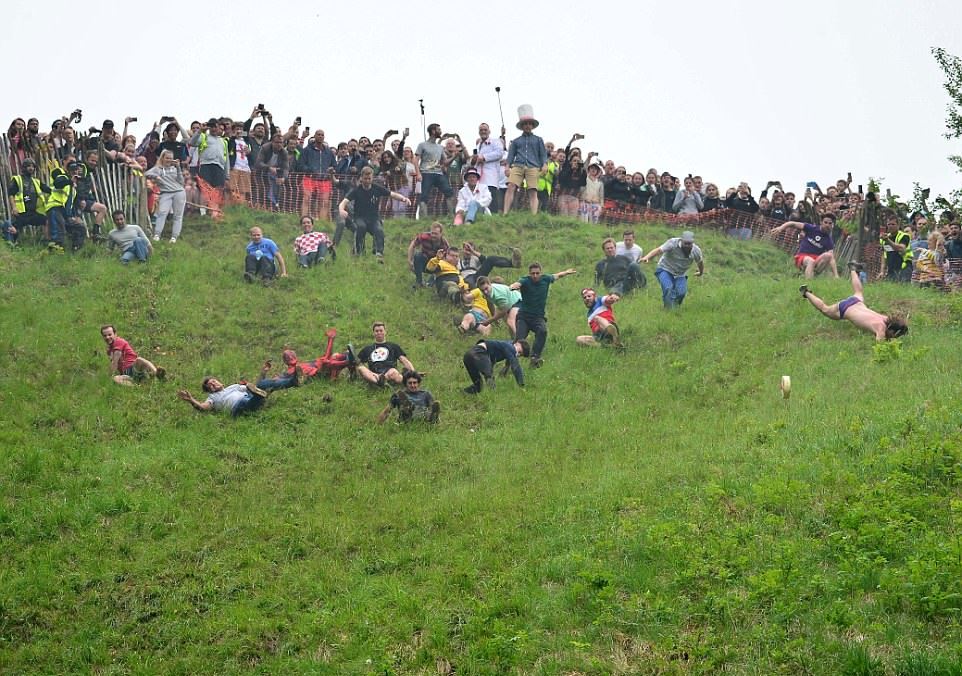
x=854 y=309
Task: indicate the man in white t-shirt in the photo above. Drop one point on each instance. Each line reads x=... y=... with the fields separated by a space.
x=628 y=248
x=236 y=399
x=240 y=171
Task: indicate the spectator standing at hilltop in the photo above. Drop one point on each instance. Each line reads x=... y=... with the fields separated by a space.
x=527 y=160
x=214 y=165
x=430 y=154
x=487 y=160
x=316 y=158
x=688 y=201
x=173 y=197
x=664 y=199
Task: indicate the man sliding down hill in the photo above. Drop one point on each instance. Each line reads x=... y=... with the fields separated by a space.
x=856 y=311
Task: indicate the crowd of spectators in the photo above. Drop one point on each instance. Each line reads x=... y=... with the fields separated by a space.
x=207 y=164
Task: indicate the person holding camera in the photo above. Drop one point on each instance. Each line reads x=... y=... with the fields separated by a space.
x=214 y=164
x=896 y=253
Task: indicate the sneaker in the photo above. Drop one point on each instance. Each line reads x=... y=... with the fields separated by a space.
x=173 y=240
x=803 y=289
x=381 y=380
x=268 y=281
x=470 y=390
x=351 y=357
x=855 y=266
x=161 y=373
x=380 y=258
x=249 y=277
x=156 y=238
x=536 y=362
x=435 y=415
x=515 y=257
x=254 y=389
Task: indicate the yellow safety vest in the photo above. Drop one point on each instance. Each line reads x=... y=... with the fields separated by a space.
x=203 y=143
x=546 y=182
x=18 y=198
x=59 y=196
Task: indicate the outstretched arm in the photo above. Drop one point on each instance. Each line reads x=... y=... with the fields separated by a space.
x=565 y=273
x=383 y=415
x=651 y=254
x=189 y=398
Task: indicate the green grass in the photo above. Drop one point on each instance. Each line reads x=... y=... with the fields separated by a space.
x=656 y=510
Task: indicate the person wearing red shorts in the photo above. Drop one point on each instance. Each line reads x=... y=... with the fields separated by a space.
x=815 y=246
x=315 y=159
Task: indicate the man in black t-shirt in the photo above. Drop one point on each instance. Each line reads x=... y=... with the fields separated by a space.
x=377 y=362
x=367 y=218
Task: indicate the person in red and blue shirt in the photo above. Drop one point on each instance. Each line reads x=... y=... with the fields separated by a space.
x=601 y=320
x=815 y=246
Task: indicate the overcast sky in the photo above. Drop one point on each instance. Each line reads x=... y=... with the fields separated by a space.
x=732 y=91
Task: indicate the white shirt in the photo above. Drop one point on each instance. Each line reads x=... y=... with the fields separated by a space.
x=491 y=151
x=634 y=253
x=480 y=194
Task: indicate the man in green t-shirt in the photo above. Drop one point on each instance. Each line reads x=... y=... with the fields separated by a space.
x=531 y=310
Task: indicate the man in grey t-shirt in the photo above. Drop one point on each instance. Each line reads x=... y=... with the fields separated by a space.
x=430 y=156
x=131 y=239
x=677 y=255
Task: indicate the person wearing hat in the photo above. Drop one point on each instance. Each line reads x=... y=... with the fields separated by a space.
x=677 y=255
x=27 y=196
x=472 y=197
x=527 y=160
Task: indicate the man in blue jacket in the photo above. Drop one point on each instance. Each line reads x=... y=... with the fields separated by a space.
x=316 y=158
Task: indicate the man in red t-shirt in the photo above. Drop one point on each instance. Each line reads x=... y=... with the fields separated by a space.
x=423 y=248
x=126 y=367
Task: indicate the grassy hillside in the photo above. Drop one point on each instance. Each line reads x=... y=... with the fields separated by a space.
x=654 y=510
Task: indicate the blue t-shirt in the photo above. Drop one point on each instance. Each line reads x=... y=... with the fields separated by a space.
x=814 y=241
x=265 y=249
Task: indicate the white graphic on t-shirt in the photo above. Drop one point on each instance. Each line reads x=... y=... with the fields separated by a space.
x=380 y=354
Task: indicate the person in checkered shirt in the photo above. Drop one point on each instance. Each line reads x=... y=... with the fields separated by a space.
x=311 y=247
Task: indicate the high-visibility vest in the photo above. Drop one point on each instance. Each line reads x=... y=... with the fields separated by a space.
x=546 y=182
x=18 y=198
x=903 y=238
x=203 y=143
x=59 y=197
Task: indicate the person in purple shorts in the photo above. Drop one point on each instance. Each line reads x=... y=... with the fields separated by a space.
x=854 y=309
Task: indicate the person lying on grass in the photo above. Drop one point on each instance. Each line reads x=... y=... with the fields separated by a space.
x=601 y=320
x=298 y=372
x=125 y=366
x=237 y=399
x=854 y=309
x=412 y=402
